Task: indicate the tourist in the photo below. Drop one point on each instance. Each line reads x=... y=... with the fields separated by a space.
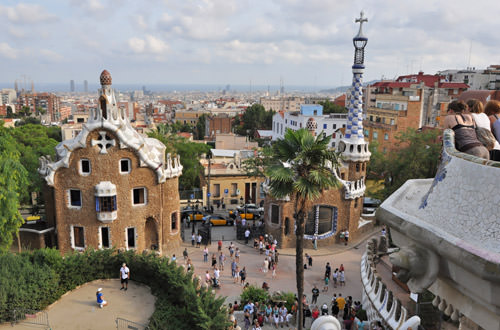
x=189 y=265
x=268 y=310
x=214 y=259
x=481 y=119
x=328 y=270
x=208 y=278
x=257 y=326
x=193 y=239
x=124 y=276
x=216 y=277
x=234 y=265
x=243 y=275
x=274 y=269
x=231 y=250
x=384 y=232
x=255 y=243
x=100 y=298
x=237 y=254
x=325 y=288
x=185 y=254
x=492 y=110
x=276 y=316
x=265 y=267
x=205 y=254
x=335 y=277
x=315 y=294
x=346 y=236
x=174 y=258
x=247 y=235
x=341 y=302
x=465 y=134
x=341 y=268
x=222 y=259
x=335 y=309
x=315 y=313
x=198 y=242
x=310 y=261
x=219 y=246
x=265 y=286
x=342 y=278
x=283 y=314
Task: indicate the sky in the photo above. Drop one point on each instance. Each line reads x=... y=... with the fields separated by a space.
x=241 y=42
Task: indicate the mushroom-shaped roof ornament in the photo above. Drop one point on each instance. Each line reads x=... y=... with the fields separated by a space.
x=105 y=78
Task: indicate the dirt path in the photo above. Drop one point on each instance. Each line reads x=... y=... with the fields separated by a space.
x=78 y=310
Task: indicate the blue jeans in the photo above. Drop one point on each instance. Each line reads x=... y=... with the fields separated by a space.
x=205 y=257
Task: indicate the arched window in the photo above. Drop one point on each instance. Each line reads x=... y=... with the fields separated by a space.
x=104 y=108
x=287 y=226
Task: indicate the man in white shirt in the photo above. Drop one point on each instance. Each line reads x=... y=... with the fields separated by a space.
x=216 y=276
x=247 y=235
x=124 y=276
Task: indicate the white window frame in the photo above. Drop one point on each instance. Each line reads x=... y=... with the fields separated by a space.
x=81 y=167
x=120 y=166
x=145 y=196
x=72 y=238
x=100 y=237
x=135 y=238
x=76 y=207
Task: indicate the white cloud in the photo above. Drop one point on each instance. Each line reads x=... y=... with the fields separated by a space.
x=50 y=55
x=149 y=44
x=27 y=13
x=7 y=51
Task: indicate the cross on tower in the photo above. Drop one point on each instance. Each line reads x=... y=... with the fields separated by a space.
x=104 y=142
x=361 y=20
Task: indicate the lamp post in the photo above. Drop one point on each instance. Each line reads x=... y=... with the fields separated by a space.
x=209 y=157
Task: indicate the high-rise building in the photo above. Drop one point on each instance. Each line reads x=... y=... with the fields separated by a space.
x=85 y=86
x=72 y=85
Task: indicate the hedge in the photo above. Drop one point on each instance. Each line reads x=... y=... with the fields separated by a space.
x=34 y=280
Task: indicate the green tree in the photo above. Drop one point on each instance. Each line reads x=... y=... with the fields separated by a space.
x=33 y=141
x=302 y=169
x=254 y=118
x=256 y=166
x=200 y=128
x=13 y=181
x=415 y=156
x=330 y=107
x=190 y=153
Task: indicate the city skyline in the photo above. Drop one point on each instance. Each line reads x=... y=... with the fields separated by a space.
x=239 y=42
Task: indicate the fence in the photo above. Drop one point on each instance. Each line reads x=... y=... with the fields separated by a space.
x=33 y=317
x=122 y=324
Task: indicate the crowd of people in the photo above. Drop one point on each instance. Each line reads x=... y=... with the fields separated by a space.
x=476 y=127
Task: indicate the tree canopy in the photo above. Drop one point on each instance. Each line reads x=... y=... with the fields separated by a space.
x=190 y=153
x=13 y=181
x=415 y=156
x=254 y=118
x=330 y=107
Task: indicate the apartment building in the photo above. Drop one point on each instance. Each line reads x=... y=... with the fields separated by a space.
x=411 y=101
x=291 y=103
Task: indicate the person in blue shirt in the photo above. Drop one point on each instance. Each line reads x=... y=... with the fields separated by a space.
x=100 y=298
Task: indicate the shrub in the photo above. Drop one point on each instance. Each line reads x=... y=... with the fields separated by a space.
x=33 y=280
x=254 y=294
x=287 y=297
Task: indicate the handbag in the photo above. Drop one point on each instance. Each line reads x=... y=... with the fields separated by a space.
x=485 y=137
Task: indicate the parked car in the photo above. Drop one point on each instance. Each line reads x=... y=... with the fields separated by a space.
x=218 y=220
x=248 y=216
x=251 y=208
x=189 y=212
x=370 y=205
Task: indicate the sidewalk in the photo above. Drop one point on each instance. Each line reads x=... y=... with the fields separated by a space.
x=335 y=248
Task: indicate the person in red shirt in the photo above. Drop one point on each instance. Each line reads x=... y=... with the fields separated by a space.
x=219 y=244
x=315 y=313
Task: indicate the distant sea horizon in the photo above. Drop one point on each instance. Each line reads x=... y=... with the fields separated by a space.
x=92 y=87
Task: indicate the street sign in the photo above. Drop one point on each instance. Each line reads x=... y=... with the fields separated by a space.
x=209 y=194
x=191 y=196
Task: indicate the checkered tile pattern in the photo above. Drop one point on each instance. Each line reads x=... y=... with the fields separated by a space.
x=354 y=127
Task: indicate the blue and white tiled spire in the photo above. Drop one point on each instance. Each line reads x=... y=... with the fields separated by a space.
x=353 y=146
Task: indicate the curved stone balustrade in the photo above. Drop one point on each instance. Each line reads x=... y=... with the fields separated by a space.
x=379 y=301
x=454 y=218
x=353 y=189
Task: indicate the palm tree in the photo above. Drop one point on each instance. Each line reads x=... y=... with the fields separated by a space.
x=301 y=170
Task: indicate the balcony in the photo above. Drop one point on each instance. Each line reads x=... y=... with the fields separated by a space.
x=107 y=217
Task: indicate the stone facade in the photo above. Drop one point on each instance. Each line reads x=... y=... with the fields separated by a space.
x=112 y=187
